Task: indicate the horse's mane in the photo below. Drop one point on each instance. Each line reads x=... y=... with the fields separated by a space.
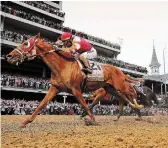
x=67 y=56
x=46 y=44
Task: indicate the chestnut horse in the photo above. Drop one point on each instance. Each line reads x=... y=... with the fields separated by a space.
x=146 y=101
x=66 y=74
x=101 y=93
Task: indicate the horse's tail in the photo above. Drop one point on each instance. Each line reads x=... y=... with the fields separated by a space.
x=132 y=80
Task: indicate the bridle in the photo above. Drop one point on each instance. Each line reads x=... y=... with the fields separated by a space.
x=27 y=55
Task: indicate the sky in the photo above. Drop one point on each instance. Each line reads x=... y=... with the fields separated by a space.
x=137 y=23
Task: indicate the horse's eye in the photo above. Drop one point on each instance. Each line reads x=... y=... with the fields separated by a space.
x=26 y=44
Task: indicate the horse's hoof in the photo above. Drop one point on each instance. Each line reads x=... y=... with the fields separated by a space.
x=90 y=122
x=95 y=123
x=139 y=106
x=138 y=119
x=115 y=120
x=22 y=125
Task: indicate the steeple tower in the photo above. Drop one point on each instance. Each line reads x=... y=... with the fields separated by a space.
x=154 y=65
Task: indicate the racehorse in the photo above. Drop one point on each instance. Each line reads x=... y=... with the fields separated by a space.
x=66 y=74
x=147 y=101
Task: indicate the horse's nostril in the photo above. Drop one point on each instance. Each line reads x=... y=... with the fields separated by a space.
x=8 y=56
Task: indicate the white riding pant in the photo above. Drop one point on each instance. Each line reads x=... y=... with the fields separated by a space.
x=90 y=54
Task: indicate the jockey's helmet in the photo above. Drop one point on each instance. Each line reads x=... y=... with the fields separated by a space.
x=66 y=38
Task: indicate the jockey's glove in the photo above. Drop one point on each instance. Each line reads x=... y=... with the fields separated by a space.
x=76 y=55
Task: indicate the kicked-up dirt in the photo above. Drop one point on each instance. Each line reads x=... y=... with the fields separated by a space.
x=51 y=131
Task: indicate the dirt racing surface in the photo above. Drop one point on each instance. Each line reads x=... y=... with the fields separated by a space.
x=71 y=132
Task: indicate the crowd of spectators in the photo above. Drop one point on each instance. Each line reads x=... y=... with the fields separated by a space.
x=59 y=26
x=23 y=107
x=31 y=17
x=122 y=64
x=20 y=81
x=45 y=7
x=19 y=38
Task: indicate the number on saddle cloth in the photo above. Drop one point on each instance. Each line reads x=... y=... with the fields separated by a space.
x=97 y=72
x=94 y=66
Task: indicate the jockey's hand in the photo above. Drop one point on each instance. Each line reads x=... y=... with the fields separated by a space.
x=76 y=55
x=57 y=48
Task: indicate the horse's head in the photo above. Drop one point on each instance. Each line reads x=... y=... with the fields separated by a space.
x=26 y=50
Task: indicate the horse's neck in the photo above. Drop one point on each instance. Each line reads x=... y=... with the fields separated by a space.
x=52 y=60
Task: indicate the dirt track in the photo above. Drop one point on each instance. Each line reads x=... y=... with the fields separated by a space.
x=70 y=132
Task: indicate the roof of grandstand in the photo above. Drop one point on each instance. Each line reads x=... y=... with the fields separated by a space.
x=159 y=78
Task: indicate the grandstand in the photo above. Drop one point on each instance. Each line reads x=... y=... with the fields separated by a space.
x=20 y=20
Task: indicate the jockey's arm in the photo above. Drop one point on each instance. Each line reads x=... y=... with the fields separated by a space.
x=73 y=49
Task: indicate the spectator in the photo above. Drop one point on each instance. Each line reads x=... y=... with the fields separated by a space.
x=17 y=80
x=22 y=107
x=49 y=23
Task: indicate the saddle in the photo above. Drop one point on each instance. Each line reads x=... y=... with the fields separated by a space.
x=97 y=71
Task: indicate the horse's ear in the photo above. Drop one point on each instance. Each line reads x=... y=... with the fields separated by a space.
x=37 y=36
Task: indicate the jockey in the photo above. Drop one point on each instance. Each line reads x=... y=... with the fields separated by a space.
x=138 y=86
x=78 y=46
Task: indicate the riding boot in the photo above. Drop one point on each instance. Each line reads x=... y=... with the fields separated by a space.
x=86 y=68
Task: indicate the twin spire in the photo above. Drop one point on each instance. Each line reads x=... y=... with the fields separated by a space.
x=154 y=65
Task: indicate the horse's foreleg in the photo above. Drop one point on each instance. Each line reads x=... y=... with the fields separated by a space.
x=78 y=94
x=137 y=111
x=49 y=96
x=121 y=104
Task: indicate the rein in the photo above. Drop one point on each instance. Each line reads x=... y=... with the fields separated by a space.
x=24 y=54
x=27 y=55
x=43 y=54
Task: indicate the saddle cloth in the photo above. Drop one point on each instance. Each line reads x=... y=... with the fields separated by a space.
x=97 y=71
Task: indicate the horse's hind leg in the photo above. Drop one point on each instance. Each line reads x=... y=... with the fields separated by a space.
x=121 y=104
x=49 y=96
x=99 y=94
x=137 y=111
